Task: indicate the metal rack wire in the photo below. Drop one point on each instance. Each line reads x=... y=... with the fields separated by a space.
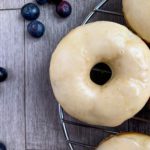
x=64 y=122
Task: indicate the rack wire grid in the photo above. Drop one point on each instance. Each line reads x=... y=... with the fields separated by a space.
x=64 y=122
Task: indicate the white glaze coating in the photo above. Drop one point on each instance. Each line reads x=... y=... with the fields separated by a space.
x=137 y=13
x=128 y=141
x=123 y=95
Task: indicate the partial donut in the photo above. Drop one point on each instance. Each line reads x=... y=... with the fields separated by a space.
x=127 y=141
x=137 y=14
x=125 y=93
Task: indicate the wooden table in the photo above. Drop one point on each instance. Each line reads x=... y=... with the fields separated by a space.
x=28 y=110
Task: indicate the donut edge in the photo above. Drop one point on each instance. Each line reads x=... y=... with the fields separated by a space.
x=132 y=28
x=120 y=135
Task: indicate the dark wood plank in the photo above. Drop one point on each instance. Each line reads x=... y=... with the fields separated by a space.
x=12 y=120
x=43 y=129
x=6 y=4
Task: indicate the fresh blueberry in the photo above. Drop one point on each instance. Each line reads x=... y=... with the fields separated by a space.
x=36 y=29
x=2 y=146
x=3 y=77
x=42 y=2
x=64 y=9
x=30 y=11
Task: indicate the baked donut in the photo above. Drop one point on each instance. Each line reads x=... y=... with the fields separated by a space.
x=123 y=95
x=127 y=141
x=137 y=14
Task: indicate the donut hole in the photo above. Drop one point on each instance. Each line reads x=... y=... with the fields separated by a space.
x=100 y=73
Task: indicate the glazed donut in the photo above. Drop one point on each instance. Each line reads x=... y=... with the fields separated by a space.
x=127 y=141
x=137 y=14
x=123 y=95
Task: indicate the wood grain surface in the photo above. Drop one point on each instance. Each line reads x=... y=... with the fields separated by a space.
x=7 y=4
x=28 y=110
x=12 y=119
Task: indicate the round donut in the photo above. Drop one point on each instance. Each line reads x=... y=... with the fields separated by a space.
x=123 y=95
x=137 y=14
x=127 y=141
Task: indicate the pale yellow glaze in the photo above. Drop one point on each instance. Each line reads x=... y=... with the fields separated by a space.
x=126 y=141
x=137 y=13
x=123 y=95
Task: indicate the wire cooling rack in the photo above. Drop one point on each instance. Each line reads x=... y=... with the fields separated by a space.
x=64 y=122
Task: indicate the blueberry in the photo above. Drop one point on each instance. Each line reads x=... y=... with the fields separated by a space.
x=42 y=2
x=3 y=77
x=2 y=146
x=64 y=9
x=30 y=11
x=36 y=29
